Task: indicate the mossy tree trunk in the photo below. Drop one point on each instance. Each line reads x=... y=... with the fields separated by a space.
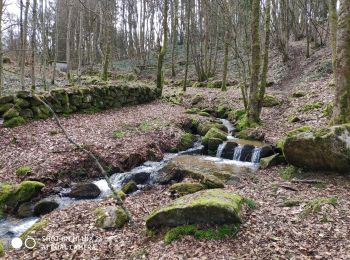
x=265 y=65
x=341 y=113
x=162 y=51
x=188 y=15
x=333 y=20
x=174 y=31
x=253 y=107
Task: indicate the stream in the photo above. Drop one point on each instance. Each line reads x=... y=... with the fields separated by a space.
x=11 y=227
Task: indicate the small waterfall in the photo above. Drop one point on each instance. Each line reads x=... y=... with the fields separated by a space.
x=256 y=155
x=220 y=150
x=238 y=152
x=229 y=126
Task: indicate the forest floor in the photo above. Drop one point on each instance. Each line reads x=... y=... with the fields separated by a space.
x=270 y=231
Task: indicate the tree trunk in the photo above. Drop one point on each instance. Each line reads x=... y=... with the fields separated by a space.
x=341 y=113
x=56 y=43
x=33 y=40
x=162 y=51
x=24 y=43
x=253 y=107
x=173 y=58
x=224 y=76
x=1 y=50
x=80 y=45
x=69 y=27
x=188 y=15
x=266 y=55
x=333 y=20
x=44 y=41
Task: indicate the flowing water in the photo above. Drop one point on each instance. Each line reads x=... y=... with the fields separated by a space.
x=11 y=227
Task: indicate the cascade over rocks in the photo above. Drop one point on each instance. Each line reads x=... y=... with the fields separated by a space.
x=326 y=149
x=208 y=207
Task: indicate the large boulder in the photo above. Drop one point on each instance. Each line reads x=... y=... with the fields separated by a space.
x=325 y=149
x=85 y=191
x=208 y=207
x=111 y=217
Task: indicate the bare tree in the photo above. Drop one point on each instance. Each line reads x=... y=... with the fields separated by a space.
x=33 y=42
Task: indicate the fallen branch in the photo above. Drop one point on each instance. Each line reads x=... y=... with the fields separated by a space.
x=308 y=181
x=91 y=155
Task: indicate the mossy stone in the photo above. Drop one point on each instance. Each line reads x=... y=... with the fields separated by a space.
x=192 y=110
x=26 y=113
x=213 y=144
x=326 y=149
x=203 y=113
x=111 y=217
x=2 y=250
x=184 y=188
x=23 y=170
x=25 y=210
x=6 y=99
x=130 y=187
x=298 y=94
x=186 y=141
x=5 y=107
x=272 y=160
x=14 y=122
x=22 y=103
x=11 y=113
x=214 y=133
x=207 y=207
x=270 y=101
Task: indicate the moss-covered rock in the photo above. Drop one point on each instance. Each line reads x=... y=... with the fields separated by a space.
x=208 y=207
x=5 y=107
x=11 y=113
x=203 y=113
x=111 y=217
x=186 y=141
x=25 y=210
x=184 y=188
x=270 y=101
x=214 y=133
x=6 y=99
x=193 y=110
x=311 y=106
x=26 y=113
x=293 y=119
x=2 y=250
x=130 y=187
x=22 y=103
x=213 y=144
x=14 y=122
x=271 y=161
x=210 y=181
x=12 y=196
x=326 y=149
x=203 y=128
x=197 y=98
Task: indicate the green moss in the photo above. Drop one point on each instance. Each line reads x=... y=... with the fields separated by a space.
x=193 y=110
x=250 y=203
x=186 y=141
x=91 y=110
x=11 y=113
x=130 y=187
x=292 y=203
x=197 y=98
x=322 y=132
x=328 y=110
x=311 y=106
x=270 y=101
x=119 y=215
x=5 y=107
x=288 y=172
x=215 y=233
x=27 y=190
x=23 y=170
x=118 y=134
x=244 y=123
x=36 y=227
x=315 y=205
x=184 y=188
x=299 y=130
x=22 y=103
x=203 y=113
x=2 y=250
x=14 y=122
x=145 y=127
x=298 y=94
x=236 y=115
x=214 y=133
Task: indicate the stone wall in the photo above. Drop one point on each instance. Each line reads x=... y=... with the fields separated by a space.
x=23 y=106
